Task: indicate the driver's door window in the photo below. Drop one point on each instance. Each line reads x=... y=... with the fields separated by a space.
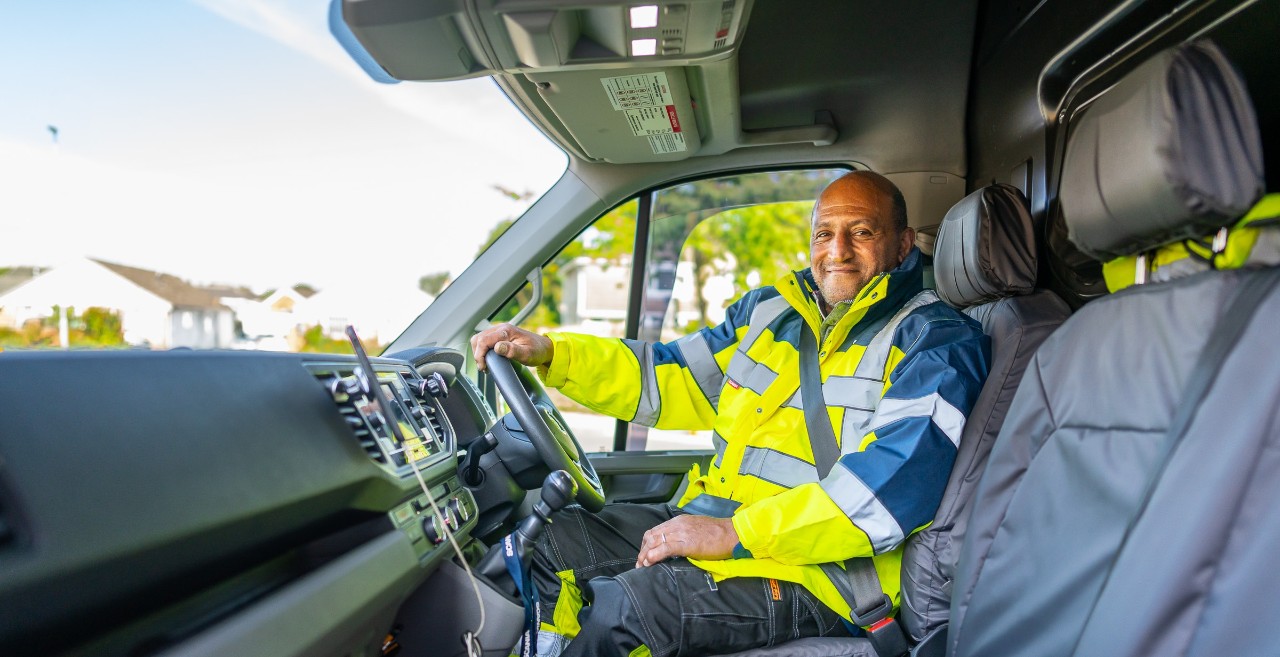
x=710 y=241
x=585 y=289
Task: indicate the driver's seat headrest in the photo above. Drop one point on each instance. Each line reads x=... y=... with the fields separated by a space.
x=986 y=248
x=1171 y=152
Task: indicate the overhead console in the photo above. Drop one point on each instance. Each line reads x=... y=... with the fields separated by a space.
x=455 y=39
x=612 y=82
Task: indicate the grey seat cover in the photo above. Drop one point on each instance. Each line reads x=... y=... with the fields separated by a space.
x=1082 y=438
x=1070 y=468
x=1137 y=175
x=991 y=224
x=986 y=250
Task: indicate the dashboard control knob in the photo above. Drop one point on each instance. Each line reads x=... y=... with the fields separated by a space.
x=432 y=384
x=431 y=529
x=459 y=509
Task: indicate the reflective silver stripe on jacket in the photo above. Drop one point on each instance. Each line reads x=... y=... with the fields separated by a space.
x=721 y=445
x=746 y=372
x=866 y=511
x=650 y=405
x=743 y=370
x=782 y=469
x=946 y=417
x=761 y=316
x=850 y=392
x=869 y=375
x=702 y=366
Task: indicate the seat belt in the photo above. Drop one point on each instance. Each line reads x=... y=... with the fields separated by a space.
x=1224 y=335
x=857 y=581
x=822 y=437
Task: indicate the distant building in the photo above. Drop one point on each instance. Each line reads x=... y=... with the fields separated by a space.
x=594 y=297
x=268 y=319
x=595 y=290
x=379 y=310
x=155 y=309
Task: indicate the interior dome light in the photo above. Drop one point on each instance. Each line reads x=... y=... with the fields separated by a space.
x=641 y=47
x=644 y=16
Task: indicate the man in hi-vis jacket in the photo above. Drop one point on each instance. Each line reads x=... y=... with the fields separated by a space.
x=735 y=564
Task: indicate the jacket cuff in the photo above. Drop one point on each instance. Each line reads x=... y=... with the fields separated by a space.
x=754 y=546
x=556 y=373
x=740 y=552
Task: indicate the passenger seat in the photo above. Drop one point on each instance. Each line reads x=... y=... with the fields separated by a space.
x=985 y=263
x=1128 y=507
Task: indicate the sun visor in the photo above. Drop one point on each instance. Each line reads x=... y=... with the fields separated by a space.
x=624 y=115
x=1170 y=152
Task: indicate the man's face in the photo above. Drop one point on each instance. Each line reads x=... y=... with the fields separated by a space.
x=853 y=238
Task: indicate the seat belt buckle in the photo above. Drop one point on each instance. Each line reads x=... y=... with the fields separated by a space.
x=887 y=638
x=882 y=630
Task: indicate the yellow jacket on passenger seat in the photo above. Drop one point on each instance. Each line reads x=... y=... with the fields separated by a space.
x=899 y=425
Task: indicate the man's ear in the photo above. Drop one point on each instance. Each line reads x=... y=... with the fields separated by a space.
x=908 y=239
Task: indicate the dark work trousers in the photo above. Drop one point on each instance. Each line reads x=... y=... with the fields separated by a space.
x=671 y=608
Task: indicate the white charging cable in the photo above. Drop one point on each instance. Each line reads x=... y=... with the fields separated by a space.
x=469 y=638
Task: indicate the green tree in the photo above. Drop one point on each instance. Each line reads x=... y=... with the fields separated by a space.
x=314 y=340
x=98 y=327
x=751 y=224
x=433 y=283
x=611 y=238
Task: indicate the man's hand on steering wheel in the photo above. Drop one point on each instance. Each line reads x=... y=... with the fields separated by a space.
x=502 y=350
x=524 y=347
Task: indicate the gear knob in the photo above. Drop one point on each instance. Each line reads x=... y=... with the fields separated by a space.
x=558 y=490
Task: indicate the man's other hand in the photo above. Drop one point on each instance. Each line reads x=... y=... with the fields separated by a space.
x=700 y=537
x=524 y=347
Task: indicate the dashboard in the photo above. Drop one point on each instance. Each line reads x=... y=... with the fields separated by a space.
x=225 y=502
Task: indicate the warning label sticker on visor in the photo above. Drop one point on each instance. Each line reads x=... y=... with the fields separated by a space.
x=645 y=99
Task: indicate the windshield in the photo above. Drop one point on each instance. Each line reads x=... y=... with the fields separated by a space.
x=221 y=174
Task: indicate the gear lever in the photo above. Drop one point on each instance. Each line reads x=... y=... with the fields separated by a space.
x=558 y=489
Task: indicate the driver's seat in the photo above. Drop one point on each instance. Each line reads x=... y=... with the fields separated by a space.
x=985 y=263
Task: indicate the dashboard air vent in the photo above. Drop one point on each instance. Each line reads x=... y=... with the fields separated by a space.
x=438 y=429
x=347 y=407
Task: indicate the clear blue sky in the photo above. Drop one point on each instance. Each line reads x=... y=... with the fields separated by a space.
x=234 y=141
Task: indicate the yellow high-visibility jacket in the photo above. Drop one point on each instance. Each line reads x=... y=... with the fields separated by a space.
x=898 y=418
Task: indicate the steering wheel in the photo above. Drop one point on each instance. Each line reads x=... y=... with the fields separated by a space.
x=546 y=428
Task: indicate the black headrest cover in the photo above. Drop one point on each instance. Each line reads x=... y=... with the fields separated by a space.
x=986 y=248
x=1170 y=152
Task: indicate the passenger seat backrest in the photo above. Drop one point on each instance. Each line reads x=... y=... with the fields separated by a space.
x=1067 y=552
x=985 y=263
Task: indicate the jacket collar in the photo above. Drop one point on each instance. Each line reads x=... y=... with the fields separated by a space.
x=882 y=295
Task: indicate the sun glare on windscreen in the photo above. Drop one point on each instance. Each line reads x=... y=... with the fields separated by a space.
x=221 y=174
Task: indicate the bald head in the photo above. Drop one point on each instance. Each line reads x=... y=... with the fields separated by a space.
x=884 y=186
x=859 y=231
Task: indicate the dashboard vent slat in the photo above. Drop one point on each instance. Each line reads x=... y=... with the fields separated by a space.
x=347 y=408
